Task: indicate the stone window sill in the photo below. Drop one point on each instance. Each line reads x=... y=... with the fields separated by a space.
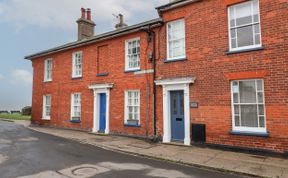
x=244 y=50
x=253 y=134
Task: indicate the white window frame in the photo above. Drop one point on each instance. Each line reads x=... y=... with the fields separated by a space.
x=126 y=110
x=73 y=105
x=236 y=27
x=127 y=68
x=44 y=110
x=48 y=78
x=74 y=67
x=249 y=129
x=168 y=40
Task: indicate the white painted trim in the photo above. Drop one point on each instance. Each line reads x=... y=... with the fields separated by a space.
x=174 y=85
x=73 y=64
x=126 y=112
x=46 y=79
x=126 y=54
x=99 y=89
x=167 y=40
x=44 y=117
x=72 y=106
x=249 y=129
x=149 y=71
x=101 y=86
x=229 y=29
x=175 y=81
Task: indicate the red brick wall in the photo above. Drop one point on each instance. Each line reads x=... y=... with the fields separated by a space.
x=106 y=56
x=206 y=46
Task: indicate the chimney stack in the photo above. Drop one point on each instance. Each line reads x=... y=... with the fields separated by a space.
x=121 y=23
x=85 y=25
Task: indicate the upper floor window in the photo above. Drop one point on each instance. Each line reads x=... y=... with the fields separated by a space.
x=75 y=107
x=48 y=70
x=132 y=107
x=176 y=40
x=248 y=106
x=77 y=65
x=244 y=25
x=46 y=107
x=132 y=53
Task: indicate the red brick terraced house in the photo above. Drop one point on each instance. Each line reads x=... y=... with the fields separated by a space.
x=206 y=71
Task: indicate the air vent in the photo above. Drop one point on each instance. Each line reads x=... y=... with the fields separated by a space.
x=198 y=133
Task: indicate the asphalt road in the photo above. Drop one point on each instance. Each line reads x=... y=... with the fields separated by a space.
x=25 y=153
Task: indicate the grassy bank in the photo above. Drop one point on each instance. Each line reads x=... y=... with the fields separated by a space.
x=15 y=117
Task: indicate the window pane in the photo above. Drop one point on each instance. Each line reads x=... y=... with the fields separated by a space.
x=259 y=85
x=249 y=116
x=236 y=109
x=233 y=33
x=257 y=39
x=232 y=16
x=262 y=121
x=237 y=121
x=233 y=43
x=256 y=10
x=235 y=98
x=243 y=14
x=257 y=28
x=247 y=91
x=260 y=97
x=245 y=36
x=261 y=110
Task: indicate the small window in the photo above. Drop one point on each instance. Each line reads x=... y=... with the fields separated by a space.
x=76 y=107
x=48 y=70
x=132 y=107
x=244 y=26
x=132 y=59
x=46 y=107
x=77 y=65
x=176 y=40
x=248 y=106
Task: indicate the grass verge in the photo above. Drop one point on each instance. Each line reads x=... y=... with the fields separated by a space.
x=15 y=117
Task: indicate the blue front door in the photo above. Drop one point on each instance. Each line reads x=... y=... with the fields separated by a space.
x=102 y=123
x=177 y=115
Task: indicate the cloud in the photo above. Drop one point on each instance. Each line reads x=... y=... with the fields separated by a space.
x=1 y=77
x=63 y=14
x=21 y=77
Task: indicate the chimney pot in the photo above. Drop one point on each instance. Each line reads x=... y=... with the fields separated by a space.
x=83 y=11
x=89 y=14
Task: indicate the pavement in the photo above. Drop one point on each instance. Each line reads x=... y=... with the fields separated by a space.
x=25 y=153
x=225 y=161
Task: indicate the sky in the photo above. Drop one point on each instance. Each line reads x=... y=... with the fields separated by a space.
x=29 y=26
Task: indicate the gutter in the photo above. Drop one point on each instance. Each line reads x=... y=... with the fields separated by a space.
x=109 y=35
x=174 y=4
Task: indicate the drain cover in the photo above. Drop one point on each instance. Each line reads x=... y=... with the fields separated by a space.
x=83 y=171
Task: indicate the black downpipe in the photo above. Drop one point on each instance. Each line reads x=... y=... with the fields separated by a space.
x=152 y=36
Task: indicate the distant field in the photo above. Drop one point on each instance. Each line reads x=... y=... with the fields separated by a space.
x=15 y=117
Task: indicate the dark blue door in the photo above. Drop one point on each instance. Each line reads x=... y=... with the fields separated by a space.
x=102 y=112
x=177 y=115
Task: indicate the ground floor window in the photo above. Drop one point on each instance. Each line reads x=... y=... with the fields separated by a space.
x=132 y=107
x=248 y=105
x=46 y=107
x=76 y=107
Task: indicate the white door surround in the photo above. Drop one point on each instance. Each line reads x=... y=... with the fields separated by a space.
x=99 y=89
x=175 y=85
